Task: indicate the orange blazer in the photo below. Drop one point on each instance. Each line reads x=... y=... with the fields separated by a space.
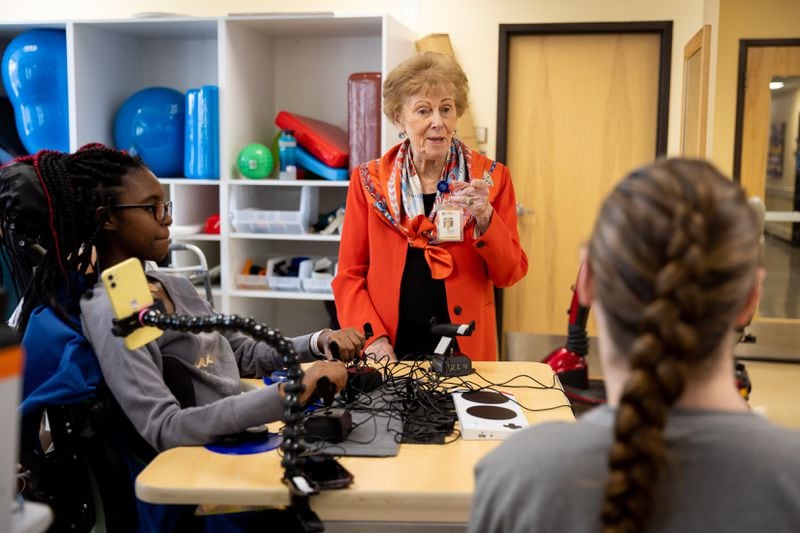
x=372 y=256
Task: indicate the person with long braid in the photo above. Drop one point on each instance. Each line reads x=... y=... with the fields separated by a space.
x=673 y=271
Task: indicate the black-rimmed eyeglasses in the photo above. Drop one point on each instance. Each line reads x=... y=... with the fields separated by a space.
x=159 y=209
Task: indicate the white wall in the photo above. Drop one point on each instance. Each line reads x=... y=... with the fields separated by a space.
x=471 y=24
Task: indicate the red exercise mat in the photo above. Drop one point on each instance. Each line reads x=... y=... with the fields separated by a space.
x=325 y=141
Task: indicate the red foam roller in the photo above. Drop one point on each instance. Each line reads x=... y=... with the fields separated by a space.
x=325 y=141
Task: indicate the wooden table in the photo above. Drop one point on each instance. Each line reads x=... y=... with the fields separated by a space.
x=423 y=483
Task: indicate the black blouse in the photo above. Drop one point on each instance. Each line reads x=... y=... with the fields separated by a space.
x=421 y=297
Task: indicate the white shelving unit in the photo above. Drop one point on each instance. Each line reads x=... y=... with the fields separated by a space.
x=262 y=64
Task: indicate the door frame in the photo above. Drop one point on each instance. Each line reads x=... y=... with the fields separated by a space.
x=508 y=31
x=662 y=28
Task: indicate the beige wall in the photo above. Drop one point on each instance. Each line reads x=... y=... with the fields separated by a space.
x=742 y=19
x=472 y=25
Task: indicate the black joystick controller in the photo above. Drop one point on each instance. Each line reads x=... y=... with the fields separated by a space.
x=362 y=378
x=332 y=425
x=334 y=348
x=324 y=391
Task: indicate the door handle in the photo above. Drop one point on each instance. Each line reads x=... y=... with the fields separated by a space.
x=522 y=210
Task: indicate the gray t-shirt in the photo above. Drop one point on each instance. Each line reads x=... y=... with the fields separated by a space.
x=213 y=361
x=727 y=472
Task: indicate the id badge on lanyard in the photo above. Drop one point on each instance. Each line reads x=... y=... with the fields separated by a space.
x=449 y=226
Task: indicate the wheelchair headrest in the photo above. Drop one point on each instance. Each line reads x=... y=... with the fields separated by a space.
x=23 y=207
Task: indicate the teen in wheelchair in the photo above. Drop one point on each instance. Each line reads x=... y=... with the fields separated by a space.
x=65 y=217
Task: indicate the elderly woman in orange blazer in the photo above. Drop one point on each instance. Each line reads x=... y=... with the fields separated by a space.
x=430 y=228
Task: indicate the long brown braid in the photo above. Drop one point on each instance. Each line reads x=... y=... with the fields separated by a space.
x=673 y=254
x=72 y=186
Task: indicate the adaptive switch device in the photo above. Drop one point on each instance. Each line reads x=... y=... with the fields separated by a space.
x=487 y=414
x=444 y=361
x=332 y=425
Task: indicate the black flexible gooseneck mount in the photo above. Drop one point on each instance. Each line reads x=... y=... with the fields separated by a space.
x=293 y=431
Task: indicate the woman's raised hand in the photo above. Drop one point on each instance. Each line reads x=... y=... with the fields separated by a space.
x=474 y=198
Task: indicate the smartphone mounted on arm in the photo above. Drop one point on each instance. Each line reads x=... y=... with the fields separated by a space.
x=127 y=289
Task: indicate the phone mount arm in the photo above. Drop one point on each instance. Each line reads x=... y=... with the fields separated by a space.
x=125 y=326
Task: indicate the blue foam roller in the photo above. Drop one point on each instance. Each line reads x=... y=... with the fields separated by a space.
x=201 y=145
x=190 y=143
x=35 y=78
x=312 y=164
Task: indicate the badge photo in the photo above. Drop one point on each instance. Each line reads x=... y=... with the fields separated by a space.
x=448 y=225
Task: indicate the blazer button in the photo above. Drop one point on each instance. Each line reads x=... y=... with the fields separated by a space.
x=457 y=309
x=480 y=244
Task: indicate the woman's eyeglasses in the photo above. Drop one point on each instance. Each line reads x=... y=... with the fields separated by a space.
x=160 y=209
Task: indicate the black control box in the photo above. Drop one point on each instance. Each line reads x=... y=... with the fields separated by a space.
x=362 y=380
x=452 y=366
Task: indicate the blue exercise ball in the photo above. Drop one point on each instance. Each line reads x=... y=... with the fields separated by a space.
x=35 y=79
x=150 y=124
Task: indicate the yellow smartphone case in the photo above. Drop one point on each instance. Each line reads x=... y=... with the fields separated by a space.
x=127 y=289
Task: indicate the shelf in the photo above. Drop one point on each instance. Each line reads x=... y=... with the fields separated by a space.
x=188 y=181
x=196 y=237
x=158 y=28
x=269 y=182
x=308 y=25
x=314 y=237
x=282 y=295
x=9 y=31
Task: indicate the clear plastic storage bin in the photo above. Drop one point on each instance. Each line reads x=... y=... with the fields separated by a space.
x=281 y=283
x=265 y=215
x=247 y=281
x=317 y=282
x=306 y=281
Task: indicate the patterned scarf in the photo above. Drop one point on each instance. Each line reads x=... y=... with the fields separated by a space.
x=409 y=207
x=455 y=169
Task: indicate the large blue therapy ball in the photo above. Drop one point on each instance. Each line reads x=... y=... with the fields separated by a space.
x=35 y=78
x=150 y=124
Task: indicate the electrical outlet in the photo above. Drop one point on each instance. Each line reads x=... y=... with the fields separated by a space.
x=481 y=134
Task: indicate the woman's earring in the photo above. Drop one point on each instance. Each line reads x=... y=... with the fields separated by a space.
x=454 y=132
x=402 y=135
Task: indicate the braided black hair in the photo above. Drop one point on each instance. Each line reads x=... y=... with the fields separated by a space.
x=50 y=247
